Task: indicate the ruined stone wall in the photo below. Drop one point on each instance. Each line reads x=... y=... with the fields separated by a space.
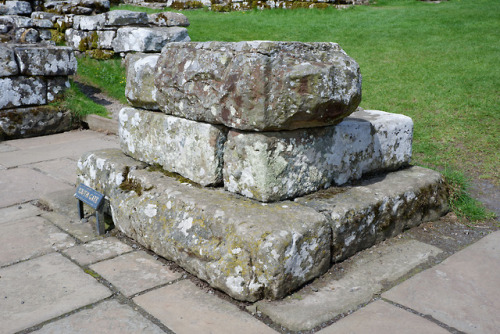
x=31 y=77
x=121 y=31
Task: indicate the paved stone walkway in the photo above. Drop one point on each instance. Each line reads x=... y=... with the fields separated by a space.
x=56 y=276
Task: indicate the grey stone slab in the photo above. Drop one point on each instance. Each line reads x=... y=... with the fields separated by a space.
x=18 y=212
x=29 y=237
x=102 y=124
x=8 y=65
x=4 y=147
x=462 y=292
x=106 y=318
x=43 y=149
x=97 y=250
x=185 y=308
x=192 y=149
x=258 y=85
x=40 y=289
x=62 y=202
x=80 y=230
x=248 y=249
x=140 y=89
x=125 y=18
x=383 y=318
x=21 y=185
x=368 y=271
x=380 y=207
x=168 y=19
x=35 y=121
x=147 y=39
x=20 y=91
x=135 y=272
x=46 y=60
x=63 y=169
x=271 y=166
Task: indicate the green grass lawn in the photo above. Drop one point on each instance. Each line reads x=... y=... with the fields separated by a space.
x=437 y=63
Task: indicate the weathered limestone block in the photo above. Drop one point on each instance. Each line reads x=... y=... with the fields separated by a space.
x=47 y=61
x=8 y=65
x=22 y=91
x=246 y=249
x=140 y=89
x=105 y=39
x=43 y=23
x=74 y=38
x=379 y=208
x=271 y=166
x=27 y=36
x=168 y=19
x=147 y=39
x=56 y=87
x=45 y=16
x=15 y=8
x=17 y=21
x=34 y=121
x=86 y=22
x=125 y=18
x=258 y=85
x=191 y=149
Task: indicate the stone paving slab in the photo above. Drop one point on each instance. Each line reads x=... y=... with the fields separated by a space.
x=70 y=137
x=97 y=250
x=135 y=272
x=383 y=263
x=462 y=292
x=43 y=288
x=55 y=148
x=63 y=169
x=63 y=202
x=106 y=318
x=383 y=318
x=17 y=212
x=4 y=147
x=185 y=308
x=21 y=185
x=78 y=229
x=29 y=237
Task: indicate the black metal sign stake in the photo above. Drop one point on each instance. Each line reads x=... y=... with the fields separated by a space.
x=94 y=199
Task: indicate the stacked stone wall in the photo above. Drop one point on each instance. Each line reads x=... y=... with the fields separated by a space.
x=32 y=77
x=121 y=32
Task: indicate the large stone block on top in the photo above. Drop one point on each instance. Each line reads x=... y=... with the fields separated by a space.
x=46 y=61
x=147 y=39
x=15 y=8
x=259 y=85
x=192 y=149
x=140 y=89
x=246 y=249
x=380 y=207
x=271 y=166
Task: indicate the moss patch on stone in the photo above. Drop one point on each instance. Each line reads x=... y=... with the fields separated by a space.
x=178 y=177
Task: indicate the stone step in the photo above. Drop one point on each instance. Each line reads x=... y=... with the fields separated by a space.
x=254 y=250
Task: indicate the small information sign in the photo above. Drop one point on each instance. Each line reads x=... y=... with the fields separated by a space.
x=89 y=196
x=94 y=199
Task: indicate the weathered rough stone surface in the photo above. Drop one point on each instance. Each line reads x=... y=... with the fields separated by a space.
x=168 y=19
x=85 y=22
x=37 y=15
x=147 y=39
x=34 y=121
x=192 y=149
x=105 y=39
x=245 y=248
x=43 y=23
x=15 y=8
x=27 y=36
x=140 y=89
x=8 y=65
x=74 y=37
x=259 y=85
x=77 y=7
x=125 y=18
x=47 y=61
x=379 y=208
x=56 y=87
x=22 y=91
x=271 y=166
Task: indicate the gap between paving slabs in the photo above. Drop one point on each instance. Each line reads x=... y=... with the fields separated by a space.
x=436 y=240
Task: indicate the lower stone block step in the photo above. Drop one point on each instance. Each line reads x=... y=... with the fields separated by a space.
x=248 y=249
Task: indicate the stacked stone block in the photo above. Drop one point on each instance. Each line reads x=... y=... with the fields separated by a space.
x=124 y=31
x=221 y=141
x=31 y=77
